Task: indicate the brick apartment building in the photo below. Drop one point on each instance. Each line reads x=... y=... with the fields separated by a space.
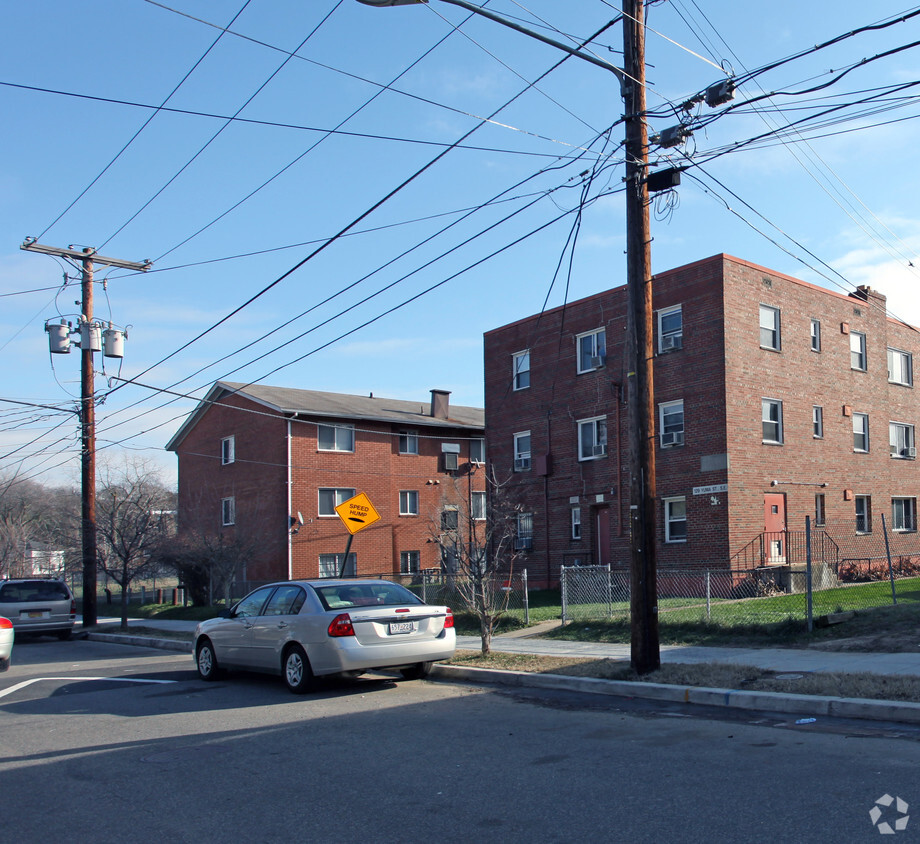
x=776 y=400
x=268 y=465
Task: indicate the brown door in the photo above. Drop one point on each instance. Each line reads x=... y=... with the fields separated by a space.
x=774 y=518
x=602 y=535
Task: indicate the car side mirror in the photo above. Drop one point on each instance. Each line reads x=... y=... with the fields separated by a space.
x=225 y=614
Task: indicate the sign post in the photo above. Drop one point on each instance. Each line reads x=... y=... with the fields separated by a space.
x=356 y=514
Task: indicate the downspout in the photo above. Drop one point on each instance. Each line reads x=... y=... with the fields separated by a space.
x=290 y=539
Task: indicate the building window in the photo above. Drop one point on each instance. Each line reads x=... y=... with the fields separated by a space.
x=900 y=367
x=860 y=432
x=816 y=335
x=769 y=328
x=408 y=502
x=477 y=451
x=817 y=421
x=671 y=423
x=520 y=368
x=592 y=438
x=524 y=538
x=670 y=329
x=228 y=511
x=408 y=442
x=227 y=450
x=576 y=523
x=330 y=565
x=592 y=350
x=522 y=452
x=330 y=498
x=478 y=505
x=901 y=440
x=335 y=437
x=820 y=512
x=675 y=519
x=409 y=562
x=772 y=414
x=450 y=519
x=858 y=350
x=904 y=514
x=863 y=505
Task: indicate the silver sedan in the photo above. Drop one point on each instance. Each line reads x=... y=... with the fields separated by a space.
x=309 y=628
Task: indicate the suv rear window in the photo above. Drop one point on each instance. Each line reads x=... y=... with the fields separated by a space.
x=33 y=590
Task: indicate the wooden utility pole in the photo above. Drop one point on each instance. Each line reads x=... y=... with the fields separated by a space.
x=88 y=331
x=645 y=652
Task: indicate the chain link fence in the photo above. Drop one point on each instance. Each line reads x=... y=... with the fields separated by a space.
x=838 y=570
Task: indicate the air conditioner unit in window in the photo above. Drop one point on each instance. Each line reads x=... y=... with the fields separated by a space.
x=671 y=341
x=523 y=543
x=673 y=438
x=521 y=464
x=450 y=461
x=911 y=452
x=598 y=361
x=599 y=450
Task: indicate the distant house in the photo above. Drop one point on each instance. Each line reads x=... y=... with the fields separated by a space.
x=270 y=464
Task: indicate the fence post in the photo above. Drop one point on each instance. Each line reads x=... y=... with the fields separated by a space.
x=809 y=607
x=562 y=591
x=894 y=596
x=526 y=597
x=708 y=597
x=424 y=587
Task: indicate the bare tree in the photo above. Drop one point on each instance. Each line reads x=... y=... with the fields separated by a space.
x=29 y=517
x=477 y=534
x=133 y=512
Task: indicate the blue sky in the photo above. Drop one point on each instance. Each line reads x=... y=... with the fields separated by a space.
x=227 y=208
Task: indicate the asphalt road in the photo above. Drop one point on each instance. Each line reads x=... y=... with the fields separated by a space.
x=92 y=750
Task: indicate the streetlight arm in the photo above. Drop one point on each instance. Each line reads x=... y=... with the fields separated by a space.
x=479 y=10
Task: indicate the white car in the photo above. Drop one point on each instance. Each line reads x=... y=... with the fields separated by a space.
x=309 y=628
x=7 y=634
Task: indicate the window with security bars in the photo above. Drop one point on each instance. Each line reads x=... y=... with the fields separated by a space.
x=409 y=562
x=330 y=565
x=524 y=536
x=863 y=507
x=904 y=514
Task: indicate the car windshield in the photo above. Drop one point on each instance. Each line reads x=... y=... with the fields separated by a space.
x=344 y=595
x=33 y=590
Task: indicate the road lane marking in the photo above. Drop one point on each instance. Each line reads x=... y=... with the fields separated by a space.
x=25 y=683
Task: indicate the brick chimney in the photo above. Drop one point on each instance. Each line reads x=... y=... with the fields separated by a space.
x=440 y=404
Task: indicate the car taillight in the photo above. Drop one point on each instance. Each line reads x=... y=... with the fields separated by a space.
x=449 y=621
x=5 y=624
x=341 y=626
x=73 y=607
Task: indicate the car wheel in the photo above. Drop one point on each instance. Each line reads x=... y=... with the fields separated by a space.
x=64 y=635
x=4 y=665
x=419 y=671
x=298 y=676
x=206 y=660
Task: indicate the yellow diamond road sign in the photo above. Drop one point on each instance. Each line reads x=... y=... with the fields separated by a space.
x=357 y=513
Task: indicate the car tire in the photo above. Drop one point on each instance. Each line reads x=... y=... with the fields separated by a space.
x=206 y=660
x=419 y=671
x=295 y=668
x=64 y=635
x=4 y=665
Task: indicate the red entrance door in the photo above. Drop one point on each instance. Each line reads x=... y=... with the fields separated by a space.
x=774 y=517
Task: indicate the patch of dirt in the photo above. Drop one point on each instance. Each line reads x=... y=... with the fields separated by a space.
x=886 y=642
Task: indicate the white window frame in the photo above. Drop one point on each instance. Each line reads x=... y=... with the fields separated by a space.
x=770 y=323
x=522 y=461
x=343 y=437
x=445 y=526
x=669 y=434
x=861 y=433
x=900 y=367
x=820 y=509
x=901 y=442
x=478 y=454
x=858 y=354
x=329 y=565
x=228 y=511
x=408 y=502
x=592 y=438
x=766 y=403
x=576 y=523
x=477 y=506
x=339 y=496
x=904 y=514
x=816 y=335
x=817 y=421
x=673 y=517
x=596 y=351
x=670 y=339
x=227 y=451
x=410 y=562
x=520 y=370
x=862 y=505
x=408 y=442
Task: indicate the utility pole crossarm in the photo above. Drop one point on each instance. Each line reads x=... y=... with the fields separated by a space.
x=30 y=244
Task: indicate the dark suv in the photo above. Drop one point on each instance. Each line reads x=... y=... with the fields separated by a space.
x=35 y=605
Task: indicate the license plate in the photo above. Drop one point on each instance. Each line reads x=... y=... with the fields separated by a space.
x=402 y=627
x=36 y=614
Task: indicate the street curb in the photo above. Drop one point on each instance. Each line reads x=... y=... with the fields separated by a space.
x=791 y=704
x=142 y=641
